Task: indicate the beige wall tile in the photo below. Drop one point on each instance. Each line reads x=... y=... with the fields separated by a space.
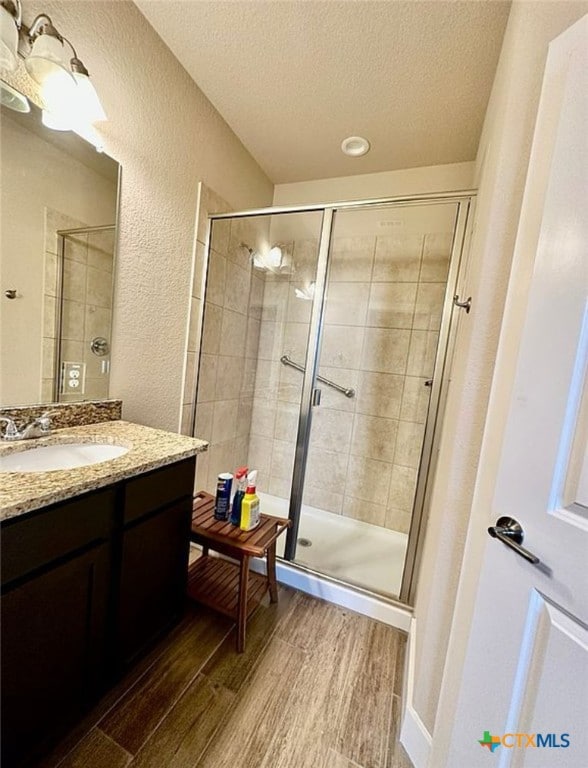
x=75 y=351
x=295 y=342
x=216 y=279
x=385 y=350
x=321 y=498
x=237 y=289
x=240 y=452
x=99 y=287
x=50 y=284
x=415 y=400
x=327 y=470
x=282 y=463
x=220 y=460
x=190 y=379
x=74 y=280
x=201 y=481
x=263 y=418
x=252 y=338
x=298 y=310
x=93 y=363
x=220 y=234
x=186 y=423
x=275 y=301
x=279 y=486
x=244 y=418
x=48 y=365
x=305 y=259
x=346 y=303
x=290 y=384
x=101 y=251
x=49 y=316
x=368 y=479
x=331 y=398
x=270 y=340
x=224 y=420
x=267 y=378
x=341 y=346
x=233 y=334
x=379 y=394
x=402 y=488
x=352 y=259
x=203 y=425
x=286 y=421
x=207 y=378
x=374 y=437
x=331 y=430
x=76 y=248
x=260 y=453
x=248 y=380
x=398 y=258
x=391 y=305
x=429 y=306
x=364 y=510
x=73 y=319
x=256 y=297
x=194 y=326
x=436 y=255
x=398 y=520
x=211 y=334
x=198 y=280
x=229 y=374
x=409 y=444
x=47 y=391
x=421 y=356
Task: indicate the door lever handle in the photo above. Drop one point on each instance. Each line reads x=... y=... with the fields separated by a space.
x=510 y=532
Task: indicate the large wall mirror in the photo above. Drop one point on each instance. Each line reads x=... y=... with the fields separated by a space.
x=57 y=248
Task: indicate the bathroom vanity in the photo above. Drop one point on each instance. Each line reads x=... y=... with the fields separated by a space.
x=94 y=563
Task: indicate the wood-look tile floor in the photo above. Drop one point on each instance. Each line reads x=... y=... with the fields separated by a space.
x=318 y=687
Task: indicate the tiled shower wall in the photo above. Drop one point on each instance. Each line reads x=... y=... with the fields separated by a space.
x=86 y=303
x=230 y=340
x=383 y=313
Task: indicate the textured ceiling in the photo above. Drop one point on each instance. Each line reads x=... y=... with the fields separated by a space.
x=294 y=78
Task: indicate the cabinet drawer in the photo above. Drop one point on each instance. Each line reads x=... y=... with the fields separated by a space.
x=158 y=489
x=32 y=542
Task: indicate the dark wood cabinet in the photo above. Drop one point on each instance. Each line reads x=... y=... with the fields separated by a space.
x=87 y=585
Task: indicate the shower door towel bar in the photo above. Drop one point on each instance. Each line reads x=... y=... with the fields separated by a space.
x=285 y=360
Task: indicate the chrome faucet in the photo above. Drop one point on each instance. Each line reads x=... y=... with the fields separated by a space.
x=39 y=427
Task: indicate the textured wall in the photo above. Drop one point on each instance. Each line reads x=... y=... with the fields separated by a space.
x=167 y=136
x=502 y=165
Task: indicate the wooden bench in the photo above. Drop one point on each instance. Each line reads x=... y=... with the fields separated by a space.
x=225 y=586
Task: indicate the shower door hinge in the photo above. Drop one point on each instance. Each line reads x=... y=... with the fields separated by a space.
x=316 y=397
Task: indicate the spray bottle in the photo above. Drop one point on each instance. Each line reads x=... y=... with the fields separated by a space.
x=250 y=504
x=241 y=482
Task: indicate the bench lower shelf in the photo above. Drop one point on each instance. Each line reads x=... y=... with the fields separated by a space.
x=214 y=582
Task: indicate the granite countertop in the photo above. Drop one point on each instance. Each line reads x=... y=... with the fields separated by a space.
x=22 y=492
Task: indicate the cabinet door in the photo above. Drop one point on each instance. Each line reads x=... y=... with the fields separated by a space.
x=53 y=629
x=153 y=577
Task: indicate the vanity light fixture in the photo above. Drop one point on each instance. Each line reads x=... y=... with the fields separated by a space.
x=11 y=98
x=69 y=99
x=10 y=24
x=66 y=89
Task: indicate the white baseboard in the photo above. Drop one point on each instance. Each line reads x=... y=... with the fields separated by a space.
x=340 y=594
x=414 y=737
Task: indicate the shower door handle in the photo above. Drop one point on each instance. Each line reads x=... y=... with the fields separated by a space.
x=316 y=397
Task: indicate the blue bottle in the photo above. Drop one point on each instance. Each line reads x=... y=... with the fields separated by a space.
x=241 y=481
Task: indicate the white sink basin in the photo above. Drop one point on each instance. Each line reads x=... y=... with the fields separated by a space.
x=47 y=458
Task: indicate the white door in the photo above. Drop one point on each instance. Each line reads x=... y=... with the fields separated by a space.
x=524 y=694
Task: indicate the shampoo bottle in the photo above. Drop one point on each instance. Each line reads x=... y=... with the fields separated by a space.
x=250 y=505
x=241 y=481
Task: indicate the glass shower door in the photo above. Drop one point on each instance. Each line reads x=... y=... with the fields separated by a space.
x=384 y=300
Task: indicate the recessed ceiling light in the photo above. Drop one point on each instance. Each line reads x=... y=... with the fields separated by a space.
x=355 y=146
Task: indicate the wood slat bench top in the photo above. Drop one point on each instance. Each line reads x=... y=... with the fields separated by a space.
x=207 y=530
